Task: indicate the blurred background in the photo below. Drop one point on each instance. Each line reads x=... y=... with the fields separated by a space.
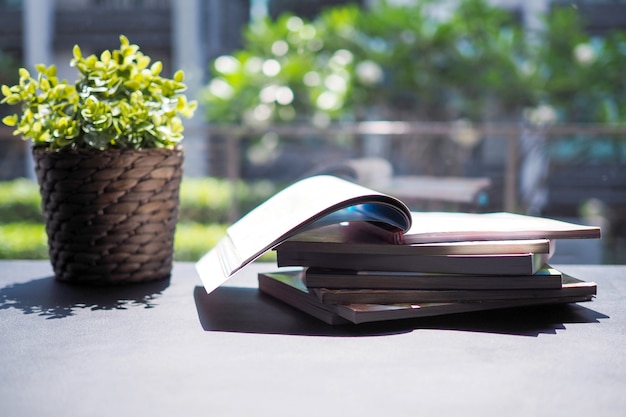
x=516 y=105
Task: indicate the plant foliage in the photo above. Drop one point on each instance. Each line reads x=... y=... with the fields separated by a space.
x=419 y=61
x=120 y=100
x=20 y=201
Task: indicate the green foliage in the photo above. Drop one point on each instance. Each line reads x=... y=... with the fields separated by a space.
x=23 y=241
x=192 y=240
x=286 y=68
x=210 y=200
x=204 y=201
x=120 y=100
x=20 y=201
x=580 y=75
x=418 y=62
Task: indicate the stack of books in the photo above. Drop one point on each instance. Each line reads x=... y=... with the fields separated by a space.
x=347 y=254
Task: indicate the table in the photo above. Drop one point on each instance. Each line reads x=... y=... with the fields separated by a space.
x=170 y=349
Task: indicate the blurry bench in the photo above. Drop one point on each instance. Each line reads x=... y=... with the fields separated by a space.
x=417 y=191
x=439 y=192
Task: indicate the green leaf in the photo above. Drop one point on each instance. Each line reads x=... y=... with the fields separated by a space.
x=156 y=68
x=143 y=62
x=10 y=120
x=77 y=53
x=105 y=57
x=6 y=90
x=44 y=85
x=24 y=74
x=132 y=85
x=51 y=72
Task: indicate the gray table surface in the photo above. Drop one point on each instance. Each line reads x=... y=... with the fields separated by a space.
x=170 y=349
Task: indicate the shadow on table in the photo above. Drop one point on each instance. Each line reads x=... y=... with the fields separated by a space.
x=246 y=310
x=53 y=299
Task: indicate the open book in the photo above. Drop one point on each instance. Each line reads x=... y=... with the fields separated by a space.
x=326 y=200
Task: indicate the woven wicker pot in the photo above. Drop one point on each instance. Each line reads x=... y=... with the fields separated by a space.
x=110 y=215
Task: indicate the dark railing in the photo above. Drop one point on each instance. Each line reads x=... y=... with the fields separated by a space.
x=413 y=131
x=113 y=4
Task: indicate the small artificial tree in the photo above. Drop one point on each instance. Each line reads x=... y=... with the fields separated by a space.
x=108 y=163
x=118 y=101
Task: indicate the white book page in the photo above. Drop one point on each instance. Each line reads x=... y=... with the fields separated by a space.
x=285 y=214
x=447 y=227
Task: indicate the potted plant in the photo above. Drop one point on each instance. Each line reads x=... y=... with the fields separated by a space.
x=108 y=161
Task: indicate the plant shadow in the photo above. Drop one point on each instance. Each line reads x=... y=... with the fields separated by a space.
x=52 y=299
x=247 y=310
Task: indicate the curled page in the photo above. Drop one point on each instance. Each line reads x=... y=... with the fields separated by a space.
x=309 y=203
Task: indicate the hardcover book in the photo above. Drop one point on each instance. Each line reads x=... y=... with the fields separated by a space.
x=289 y=287
x=494 y=264
x=545 y=278
x=570 y=287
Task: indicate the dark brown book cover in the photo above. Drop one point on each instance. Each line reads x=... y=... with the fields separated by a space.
x=289 y=287
x=547 y=277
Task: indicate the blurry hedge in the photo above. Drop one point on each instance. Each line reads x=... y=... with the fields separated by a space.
x=20 y=202
x=209 y=200
x=205 y=212
x=23 y=241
